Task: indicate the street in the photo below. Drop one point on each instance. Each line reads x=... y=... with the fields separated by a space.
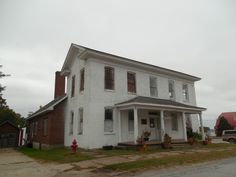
x=221 y=168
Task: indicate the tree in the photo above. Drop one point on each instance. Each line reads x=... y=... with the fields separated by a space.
x=3 y=102
x=7 y=114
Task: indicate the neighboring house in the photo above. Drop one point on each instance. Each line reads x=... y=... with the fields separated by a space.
x=225 y=121
x=9 y=135
x=112 y=99
x=46 y=126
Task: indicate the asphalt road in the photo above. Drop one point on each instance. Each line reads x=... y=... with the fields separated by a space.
x=221 y=168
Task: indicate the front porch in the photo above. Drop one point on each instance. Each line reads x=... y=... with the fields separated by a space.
x=172 y=118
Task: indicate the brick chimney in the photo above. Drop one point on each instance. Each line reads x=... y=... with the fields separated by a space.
x=59 y=84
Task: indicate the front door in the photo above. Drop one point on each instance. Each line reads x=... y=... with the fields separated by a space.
x=153 y=127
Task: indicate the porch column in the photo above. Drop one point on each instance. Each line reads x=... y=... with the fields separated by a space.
x=202 y=129
x=119 y=125
x=184 y=127
x=162 y=126
x=135 y=124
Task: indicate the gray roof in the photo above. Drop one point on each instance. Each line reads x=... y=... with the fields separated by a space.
x=150 y=100
x=130 y=60
x=46 y=108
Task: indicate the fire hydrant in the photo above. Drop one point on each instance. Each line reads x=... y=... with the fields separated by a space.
x=74 y=146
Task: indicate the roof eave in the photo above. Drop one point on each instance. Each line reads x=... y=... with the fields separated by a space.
x=49 y=109
x=85 y=52
x=198 y=109
x=65 y=70
x=122 y=60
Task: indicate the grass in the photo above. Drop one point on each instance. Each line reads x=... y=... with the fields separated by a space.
x=174 y=160
x=64 y=155
x=61 y=155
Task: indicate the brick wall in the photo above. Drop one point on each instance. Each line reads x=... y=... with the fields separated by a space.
x=55 y=133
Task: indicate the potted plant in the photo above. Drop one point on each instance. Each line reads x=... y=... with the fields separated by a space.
x=207 y=140
x=141 y=146
x=146 y=135
x=167 y=142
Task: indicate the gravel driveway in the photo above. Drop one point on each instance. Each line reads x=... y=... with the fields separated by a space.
x=15 y=164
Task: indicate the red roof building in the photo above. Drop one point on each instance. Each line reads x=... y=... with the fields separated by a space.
x=230 y=117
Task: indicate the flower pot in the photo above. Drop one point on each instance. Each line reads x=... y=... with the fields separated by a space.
x=146 y=139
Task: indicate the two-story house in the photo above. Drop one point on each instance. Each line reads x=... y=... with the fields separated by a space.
x=112 y=99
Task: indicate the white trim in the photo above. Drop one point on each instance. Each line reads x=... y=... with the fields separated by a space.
x=160 y=105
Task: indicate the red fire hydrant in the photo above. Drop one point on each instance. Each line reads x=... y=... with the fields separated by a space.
x=74 y=146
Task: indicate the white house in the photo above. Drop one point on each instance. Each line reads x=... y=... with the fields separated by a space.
x=112 y=99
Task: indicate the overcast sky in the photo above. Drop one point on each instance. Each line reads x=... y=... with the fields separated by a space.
x=196 y=37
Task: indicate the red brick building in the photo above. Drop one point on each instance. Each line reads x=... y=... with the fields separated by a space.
x=46 y=126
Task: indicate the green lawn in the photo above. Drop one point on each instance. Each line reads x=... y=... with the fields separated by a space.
x=61 y=155
x=64 y=155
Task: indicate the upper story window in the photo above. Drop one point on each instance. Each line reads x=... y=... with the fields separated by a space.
x=185 y=92
x=73 y=86
x=171 y=89
x=108 y=121
x=131 y=82
x=109 y=78
x=153 y=86
x=81 y=79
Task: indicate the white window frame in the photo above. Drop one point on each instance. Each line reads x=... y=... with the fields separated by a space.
x=108 y=123
x=80 y=120
x=171 y=92
x=71 y=123
x=153 y=86
x=185 y=92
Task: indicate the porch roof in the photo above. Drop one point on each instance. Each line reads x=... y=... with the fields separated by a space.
x=162 y=103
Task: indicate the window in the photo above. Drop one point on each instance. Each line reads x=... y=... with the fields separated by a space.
x=80 y=121
x=174 y=122
x=73 y=86
x=108 y=121
x=71 y=123
x=171 y=90
x=131 y=82
x=109 y=78
x=35 y=127
x=131 y=121
x=185 y=92
x=152 y=122
x=81 y=79
x=153 y=86
x=45 y=127
x=32 y=129
x=144 y=121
